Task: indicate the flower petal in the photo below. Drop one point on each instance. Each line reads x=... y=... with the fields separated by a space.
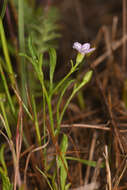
x=87 y=51
x=77 y=46
x=86 y=46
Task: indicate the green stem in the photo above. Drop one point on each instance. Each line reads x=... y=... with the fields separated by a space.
x=36 y=121
x=44 y=128
x=6 y=89
x=61 y=82
x=51 y=116
x=48 y=99
x=7 y=128
x=6 y=53
x=85 y=80
x=60 y=99
x=3 y=9
x=63 y=111
x=73 y=69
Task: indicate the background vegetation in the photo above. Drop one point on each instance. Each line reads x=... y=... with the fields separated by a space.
x=63 y=115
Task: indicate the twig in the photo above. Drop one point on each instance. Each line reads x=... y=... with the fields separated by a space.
x=96 y=171
x=124 y=167
x=108 y=169
x=92 y=148
x=99 y=127
x=115 y=45
x=108 y=41
x=114 y=27
x=19 y=133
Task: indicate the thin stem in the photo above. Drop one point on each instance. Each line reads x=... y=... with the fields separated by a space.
x=48 y=99
x=7 y=128
x=44 y=127
x=51 y=116
x=3 y=9
x=76 y=88
x=6 y=89
x=6 y=53
x=60 y=99
x=63 y=111
x=63 y=80
x=36 y=121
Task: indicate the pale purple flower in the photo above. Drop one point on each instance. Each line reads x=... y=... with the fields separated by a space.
x=83 y=49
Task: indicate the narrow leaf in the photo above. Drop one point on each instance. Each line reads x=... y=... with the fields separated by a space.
x=2 y=161
x=86 y=162
x=62 y=163
x=52 y=54
x=31 y=49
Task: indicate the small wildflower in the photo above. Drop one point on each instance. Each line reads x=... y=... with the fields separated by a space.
x=83 y=49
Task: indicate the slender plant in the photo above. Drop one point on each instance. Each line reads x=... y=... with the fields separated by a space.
x=48 y=93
